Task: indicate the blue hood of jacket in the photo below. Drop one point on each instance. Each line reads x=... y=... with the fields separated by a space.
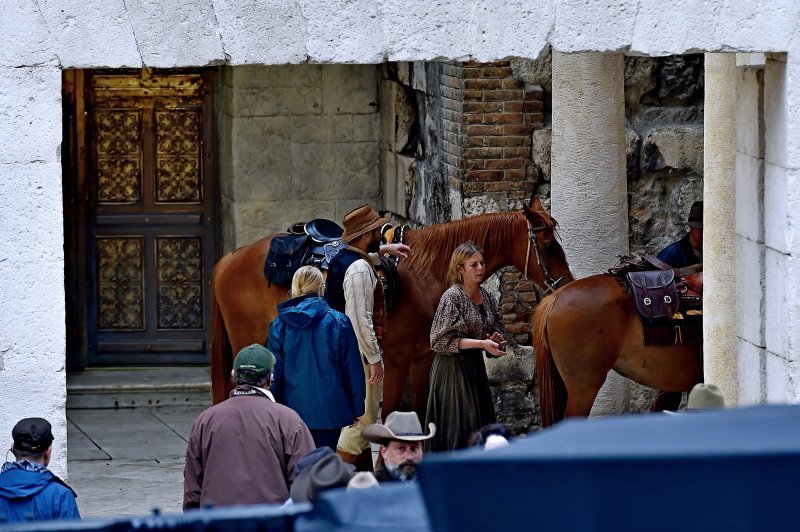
x=21 y=482
x=303 y=312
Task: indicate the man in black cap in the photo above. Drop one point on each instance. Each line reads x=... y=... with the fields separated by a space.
x=244 y=449
x=689 y=249
x=28 y=490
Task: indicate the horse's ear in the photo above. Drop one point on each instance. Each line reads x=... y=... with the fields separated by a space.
x=533 y=214
x=536 y=204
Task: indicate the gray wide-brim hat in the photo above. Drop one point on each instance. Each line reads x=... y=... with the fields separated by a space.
x=327 y=473
x=401 y=426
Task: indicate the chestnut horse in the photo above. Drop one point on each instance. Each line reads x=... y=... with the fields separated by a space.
x=586 y=328
x=244 y=303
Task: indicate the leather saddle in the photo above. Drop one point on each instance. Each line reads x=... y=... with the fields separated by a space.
x=313 y=243
x=660 y=292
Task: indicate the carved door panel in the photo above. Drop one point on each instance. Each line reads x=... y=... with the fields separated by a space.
x=150 y=242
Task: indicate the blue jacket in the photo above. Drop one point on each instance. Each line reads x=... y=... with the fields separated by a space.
x=31 y=492
x=679 y=254
x=318 y=370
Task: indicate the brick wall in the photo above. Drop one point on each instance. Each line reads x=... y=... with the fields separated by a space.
x=488 y=117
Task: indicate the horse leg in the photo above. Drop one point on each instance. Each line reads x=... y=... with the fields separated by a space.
x=394 y=382
x=581 y=396
x=666 y=401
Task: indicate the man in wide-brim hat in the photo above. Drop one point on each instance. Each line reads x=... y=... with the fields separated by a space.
x=352 y=287
x=688 y=250
x=400 y=439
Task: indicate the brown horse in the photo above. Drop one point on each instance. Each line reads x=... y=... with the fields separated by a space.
x=590 y=326
x=244 y=304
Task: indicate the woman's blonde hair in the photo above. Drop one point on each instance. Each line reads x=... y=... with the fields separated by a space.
x=307 y=280
x=460 y=255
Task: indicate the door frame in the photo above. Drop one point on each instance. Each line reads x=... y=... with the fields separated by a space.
x=76 y=196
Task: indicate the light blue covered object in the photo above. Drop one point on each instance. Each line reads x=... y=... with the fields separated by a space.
x=394 y=506
x=713 y=470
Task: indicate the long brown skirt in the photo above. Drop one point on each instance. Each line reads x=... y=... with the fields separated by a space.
x=460 y=401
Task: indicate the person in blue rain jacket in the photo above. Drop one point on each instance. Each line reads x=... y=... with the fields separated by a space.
x=318 y=370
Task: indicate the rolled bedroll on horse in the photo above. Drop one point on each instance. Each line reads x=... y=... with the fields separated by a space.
x=244 y=303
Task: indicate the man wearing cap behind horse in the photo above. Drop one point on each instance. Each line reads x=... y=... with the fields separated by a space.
x=400 y=439
x=689 y=249
x=353 y=288
x=28 y=490
x=244 y=449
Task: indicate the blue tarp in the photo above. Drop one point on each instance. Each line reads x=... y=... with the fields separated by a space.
x=254 y=518
x=723 y=470
x=392 y=507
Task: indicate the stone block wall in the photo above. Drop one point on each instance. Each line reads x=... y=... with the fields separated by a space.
x=297 y=142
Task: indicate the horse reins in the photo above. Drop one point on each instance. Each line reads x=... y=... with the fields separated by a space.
x=549 y=282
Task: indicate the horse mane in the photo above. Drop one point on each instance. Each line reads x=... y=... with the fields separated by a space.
x=432 y=246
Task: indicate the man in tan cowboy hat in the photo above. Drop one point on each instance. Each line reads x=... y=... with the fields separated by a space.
x=400 y=438
x=352 y=287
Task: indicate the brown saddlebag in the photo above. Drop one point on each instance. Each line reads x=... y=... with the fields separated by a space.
x=655 y=293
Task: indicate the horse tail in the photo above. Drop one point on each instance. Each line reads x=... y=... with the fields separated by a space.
x=552 y=391
x=221 y=352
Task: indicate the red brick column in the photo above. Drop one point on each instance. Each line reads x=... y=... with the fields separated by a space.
x=488 y=118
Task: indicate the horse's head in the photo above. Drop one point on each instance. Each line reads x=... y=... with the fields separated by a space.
x=544 y=259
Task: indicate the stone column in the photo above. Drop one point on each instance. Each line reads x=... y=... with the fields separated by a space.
x=589 y=180
x=719 y=225
x=588 y=173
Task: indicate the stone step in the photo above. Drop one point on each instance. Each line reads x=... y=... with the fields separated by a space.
x=136 y=387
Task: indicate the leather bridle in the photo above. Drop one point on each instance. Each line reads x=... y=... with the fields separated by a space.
x=550 y=283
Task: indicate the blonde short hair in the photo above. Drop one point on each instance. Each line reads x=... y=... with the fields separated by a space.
x=307 y=280
x=460 y=255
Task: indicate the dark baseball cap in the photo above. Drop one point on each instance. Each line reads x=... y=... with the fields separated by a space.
x=253 y=363
x=32 y=435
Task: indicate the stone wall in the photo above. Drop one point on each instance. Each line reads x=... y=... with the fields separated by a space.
x=297 y=142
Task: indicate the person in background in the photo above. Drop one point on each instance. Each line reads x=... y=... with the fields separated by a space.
x=318 y=371
x=28 y=490
x=688 y=250
x=244 y=449
x=467 y=323
x=400 y=439
x=353 y=288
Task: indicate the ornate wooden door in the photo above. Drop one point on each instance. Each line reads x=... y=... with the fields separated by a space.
x=150 y=238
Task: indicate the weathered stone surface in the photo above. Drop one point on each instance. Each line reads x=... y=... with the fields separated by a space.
x=517 y=365
x=247 y=76
x=639 y=80
x=350 y=89
x=659 y=206
x=405 y=119
x=32 y=297
x=257 y=219
x=673 y=148
x=335 y=171
x=274 y=101
x=262 y=158
x=540 y=151
x=30 y=119
x=535 y=72
x=24 y=26
x=517 y=407
x=479 y=205
x=680 y=79
x=160 y=30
